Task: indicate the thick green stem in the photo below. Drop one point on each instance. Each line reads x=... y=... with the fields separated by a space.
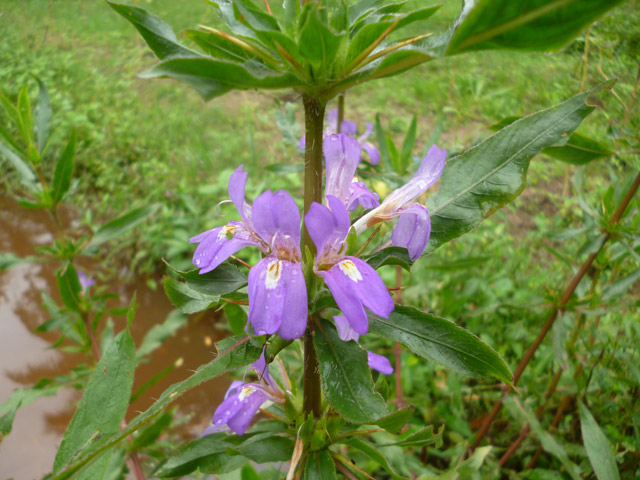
x=313 y=120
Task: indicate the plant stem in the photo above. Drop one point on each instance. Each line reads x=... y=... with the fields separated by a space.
x=566 y=296
x=313 y=120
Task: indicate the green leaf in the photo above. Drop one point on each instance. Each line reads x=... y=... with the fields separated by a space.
x=373 y=453
x=224 y=279
x=492 y=174
x=597 y=446
x=365 y=37
x=193 y=455
x=159 y=333
x=408 y=144
x=237 y=318
x=615 y=289
x=548 y=441
x=43 y=116
x=158 y=35
x=396 y=421
x=249 y=473
x=104 y=402
x=389 y=256
x=21 y=397
x=25 y=119
x=64 y=170
x=257 y=20
x=218 y=46
x=235 y=352
x=186 y=299
x=23 y=170
x=579 y=150
x=115 y=228
x=9 y=260
x=212 y=77
x=319 y=466
x=382 y=143
x=421 y=438
x=70 y=288
x=266 y=447
x=318 y=44
x=534 y=25
x=346 y=377
x=442 y=342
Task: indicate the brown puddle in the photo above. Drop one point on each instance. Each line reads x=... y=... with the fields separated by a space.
x=28 y=451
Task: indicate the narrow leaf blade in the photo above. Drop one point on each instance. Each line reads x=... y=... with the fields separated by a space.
x=441 y=341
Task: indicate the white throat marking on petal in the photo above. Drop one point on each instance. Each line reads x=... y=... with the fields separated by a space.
x=350 y=270
x=227 y=229
x=274 y=272
x=245 y=392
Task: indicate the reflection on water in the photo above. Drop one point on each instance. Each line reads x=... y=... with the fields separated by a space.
x=26 y=357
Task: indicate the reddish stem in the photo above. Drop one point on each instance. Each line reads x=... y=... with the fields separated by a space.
x=566 y=296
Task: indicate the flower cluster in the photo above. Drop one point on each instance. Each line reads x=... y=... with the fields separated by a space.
x=277 y=289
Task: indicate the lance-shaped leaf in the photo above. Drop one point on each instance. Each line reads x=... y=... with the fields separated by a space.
x=199 y=454
x=579 y=149
x=64 y=170
x=212 y=77
x=235 y=352
x=597 y=446
x=43 y=116
x=373 y=453
x=492 y=174
x=197 y=291
x=346 y=377
x=70 y=288
x=185 y=298
x=24 y=171
x=120 y=225
x=104 y=402
x=442 y=342
x=158 y=35
x=532 y=25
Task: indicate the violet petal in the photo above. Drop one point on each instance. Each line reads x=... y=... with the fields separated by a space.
x=379 y=363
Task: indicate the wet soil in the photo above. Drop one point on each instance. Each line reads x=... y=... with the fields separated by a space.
x=25 y=356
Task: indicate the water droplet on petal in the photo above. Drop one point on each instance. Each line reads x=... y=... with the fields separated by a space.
x=227 y=412
x=198 y=261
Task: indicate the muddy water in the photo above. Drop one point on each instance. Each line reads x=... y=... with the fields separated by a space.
x=25 y=356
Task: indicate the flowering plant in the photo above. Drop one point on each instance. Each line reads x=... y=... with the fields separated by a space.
x=318 y=265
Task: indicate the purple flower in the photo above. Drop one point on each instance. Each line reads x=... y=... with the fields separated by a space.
x=379 y=363
x=243 y=400
x=414 y=226
x=85 y=282
x=348 y=127
x=342 y=155
x=277 y=290
x=353 y=283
